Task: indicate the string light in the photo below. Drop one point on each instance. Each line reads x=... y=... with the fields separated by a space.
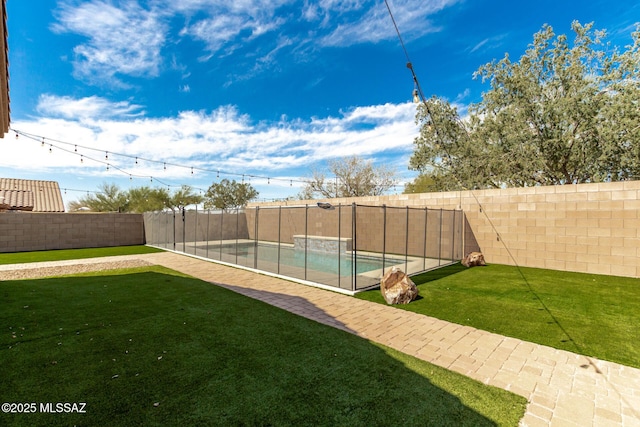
x=109 y=166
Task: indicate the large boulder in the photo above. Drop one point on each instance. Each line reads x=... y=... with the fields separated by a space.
x=397 y=288
x=474 y=259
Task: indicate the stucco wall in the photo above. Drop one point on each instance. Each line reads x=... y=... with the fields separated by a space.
x=26 y=231
x=591 y=228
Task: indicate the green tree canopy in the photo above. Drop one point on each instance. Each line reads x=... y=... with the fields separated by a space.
x=564 y=113
x=229 y=195
x=108 y=198
x=182 y=198
x=147 y=199
x=352 y=177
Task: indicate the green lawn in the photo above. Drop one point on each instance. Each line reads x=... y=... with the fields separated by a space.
x=66 y=254
x=148 y=346
x=594 y=315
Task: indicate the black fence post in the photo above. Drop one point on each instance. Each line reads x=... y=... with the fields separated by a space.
x=384 y=236
x=354 y=253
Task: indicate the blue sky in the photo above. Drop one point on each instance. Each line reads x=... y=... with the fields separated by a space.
x=271 y=89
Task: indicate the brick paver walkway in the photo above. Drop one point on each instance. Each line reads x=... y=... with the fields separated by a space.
x=563 y=389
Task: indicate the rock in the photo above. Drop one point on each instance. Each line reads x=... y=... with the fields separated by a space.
x=397 y=288
x=474 y=259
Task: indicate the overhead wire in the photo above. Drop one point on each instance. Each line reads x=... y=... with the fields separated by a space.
x=110 y=162
x=471 y=191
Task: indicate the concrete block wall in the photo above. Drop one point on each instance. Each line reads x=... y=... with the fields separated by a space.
x=591 y=228
x=28 y=231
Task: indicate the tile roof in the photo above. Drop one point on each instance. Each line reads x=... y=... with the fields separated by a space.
x=16 y=200
x=45 y=195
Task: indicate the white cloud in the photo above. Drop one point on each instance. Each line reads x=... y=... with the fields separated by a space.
x=125 y=39
x=84 y=108
x=221 y=139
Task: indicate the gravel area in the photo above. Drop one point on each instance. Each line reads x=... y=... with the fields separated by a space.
x=42 y=269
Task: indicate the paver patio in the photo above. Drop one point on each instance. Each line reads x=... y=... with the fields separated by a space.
x=563 y=389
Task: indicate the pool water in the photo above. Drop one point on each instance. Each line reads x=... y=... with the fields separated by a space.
x=326 y=262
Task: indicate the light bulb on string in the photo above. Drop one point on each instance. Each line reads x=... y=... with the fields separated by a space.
x=106 y=155
x=191 y=171
x=50 y=148
x=107 y=166
x=81 y=159
x=136 y=160
x=42 y=144
x=164 y=166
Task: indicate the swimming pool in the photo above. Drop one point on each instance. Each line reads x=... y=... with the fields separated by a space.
x=325 y=262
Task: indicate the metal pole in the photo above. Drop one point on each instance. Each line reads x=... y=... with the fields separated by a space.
x=340 y=243
x=195 y=248
x=221 y=230
x=255 y=230
x=174 y=230
x=424 y=252
x=184 y=231
x=384 y=235
x=306 y=237
x=207 y=239
x=406 y=244
x=453 y=234
x=354 y=253
x=237 y=227
x=166 y=228
x=279 y=231
x=440 y=239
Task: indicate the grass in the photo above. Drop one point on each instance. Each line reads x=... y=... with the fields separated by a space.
x=594 y=315
x=67 y=254
x=148 y=346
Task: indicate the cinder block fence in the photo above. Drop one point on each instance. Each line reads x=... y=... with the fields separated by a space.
x=27 y=231
x=591 y=228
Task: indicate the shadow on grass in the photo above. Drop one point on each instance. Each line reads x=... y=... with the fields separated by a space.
x=161 y=349
x=437 y=274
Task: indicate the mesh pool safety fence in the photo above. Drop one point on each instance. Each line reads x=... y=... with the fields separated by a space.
x=346 y=247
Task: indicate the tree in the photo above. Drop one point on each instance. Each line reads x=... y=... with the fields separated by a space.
x=146 y=199
x=182 y=198
x=563 y=114
x=353 y=177
x=422 y=184
x=108 y=198
x=227 y=195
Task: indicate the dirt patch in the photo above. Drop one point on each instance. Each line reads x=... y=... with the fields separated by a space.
x=59 y=270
